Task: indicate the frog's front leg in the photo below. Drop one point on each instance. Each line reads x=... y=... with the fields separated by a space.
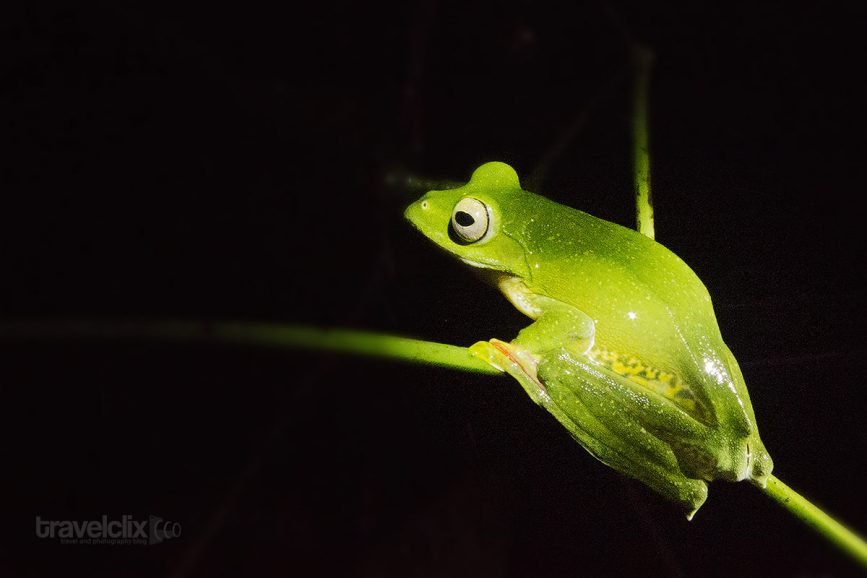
x=558 y=326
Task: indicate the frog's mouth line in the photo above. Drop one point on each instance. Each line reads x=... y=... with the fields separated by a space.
x=475 y=264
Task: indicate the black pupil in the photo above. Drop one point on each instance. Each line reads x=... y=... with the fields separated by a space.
x=464 y=219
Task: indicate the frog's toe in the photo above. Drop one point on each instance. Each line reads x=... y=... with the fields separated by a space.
x=491 y=355
x=693 y=494
x=514 y=360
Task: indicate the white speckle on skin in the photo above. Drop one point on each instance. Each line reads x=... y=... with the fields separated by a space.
x=632 y=315
x=711 y=369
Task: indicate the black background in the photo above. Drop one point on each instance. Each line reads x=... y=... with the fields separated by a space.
x=232 y=163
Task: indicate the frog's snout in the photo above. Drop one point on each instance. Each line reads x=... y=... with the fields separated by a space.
x=414 y=213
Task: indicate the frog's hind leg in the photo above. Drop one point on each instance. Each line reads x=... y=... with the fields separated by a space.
x=618 y=440
x=611 y=438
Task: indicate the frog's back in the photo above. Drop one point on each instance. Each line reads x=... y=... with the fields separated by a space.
x=654 y=316
x=576 y=244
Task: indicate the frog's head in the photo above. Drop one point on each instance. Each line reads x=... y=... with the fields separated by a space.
x=472 y=222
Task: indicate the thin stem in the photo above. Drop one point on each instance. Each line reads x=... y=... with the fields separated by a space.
x=364 y=343
x=643 y=61
x=834 y=531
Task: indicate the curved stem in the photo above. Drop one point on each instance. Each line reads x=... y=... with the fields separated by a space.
x=357 y=343
x=834 y=531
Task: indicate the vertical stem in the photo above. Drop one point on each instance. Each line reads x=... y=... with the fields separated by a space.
x=642 y=61
x=834 y=531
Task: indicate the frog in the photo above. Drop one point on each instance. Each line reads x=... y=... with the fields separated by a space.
x=624 y=349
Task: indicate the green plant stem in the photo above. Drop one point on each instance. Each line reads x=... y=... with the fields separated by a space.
x=796 y=504
x=363 y=343
x=831 y=529
x=643 y=62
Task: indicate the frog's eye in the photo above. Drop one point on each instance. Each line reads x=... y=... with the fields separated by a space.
x=471 y=219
